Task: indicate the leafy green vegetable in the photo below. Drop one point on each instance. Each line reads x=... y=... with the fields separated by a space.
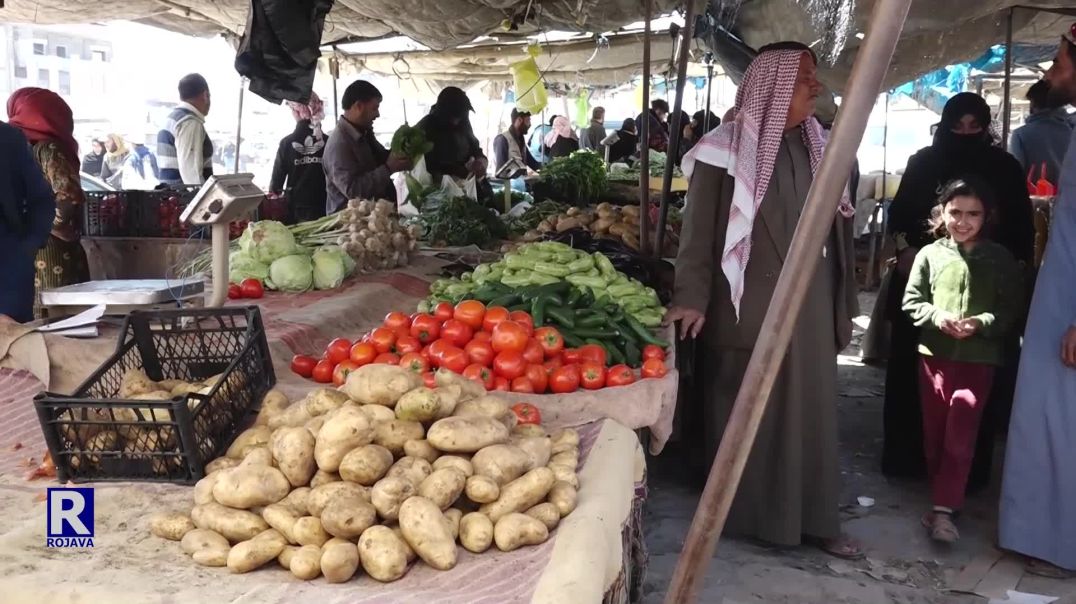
x=579 y=178
x=266 y=240
x=409 y=141
x=459 y=221
x=242 y=266
x=330 y=266
x=294 y=273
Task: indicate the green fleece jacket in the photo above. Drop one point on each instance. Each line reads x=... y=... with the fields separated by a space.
x=948 y=282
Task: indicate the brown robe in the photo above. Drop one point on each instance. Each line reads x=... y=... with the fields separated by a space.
x=791 y=484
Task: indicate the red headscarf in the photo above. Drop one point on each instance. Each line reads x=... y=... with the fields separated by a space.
x=43 y=116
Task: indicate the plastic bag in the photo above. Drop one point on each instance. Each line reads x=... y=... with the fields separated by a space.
x=420 y=174
x=529 y=88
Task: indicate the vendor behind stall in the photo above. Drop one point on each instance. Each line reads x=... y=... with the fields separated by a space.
x=297 y=168
x=456 y=152
x=356 y=165
x=510 y=143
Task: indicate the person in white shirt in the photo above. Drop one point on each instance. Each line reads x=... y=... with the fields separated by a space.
x=184 y=150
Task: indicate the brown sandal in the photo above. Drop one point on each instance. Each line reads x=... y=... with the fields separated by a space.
x=940 y=526
x=843 y=547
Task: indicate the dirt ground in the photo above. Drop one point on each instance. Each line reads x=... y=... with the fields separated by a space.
x=902 y=565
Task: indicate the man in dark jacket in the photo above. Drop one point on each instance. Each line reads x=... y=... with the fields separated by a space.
x=297 y=170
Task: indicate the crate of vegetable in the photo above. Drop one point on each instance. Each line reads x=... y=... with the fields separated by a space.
x=104 y=214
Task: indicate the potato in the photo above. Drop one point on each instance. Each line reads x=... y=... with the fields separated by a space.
x=394 y=433
x=563 y=495
x=211 y=557
x=520 y=494
x=468 y=388
x=380 y=384
x=383 y=554
x=234 y=525
x=466 y=434
x=203 y=489
x=248 y=555
x=366 y=465
x=295 y=415
x=273 y=403
x=271 y=534
x=305 y=563
x=170 y=525
x=286 y=555
x=454 y=461
x=564 y=440
x=563 y=473
x=485 y=405
x=185 y=388
x=199 y=539
x=257 y=436
x=308 y=530
x=389 y=493
x=321 y=477
x=135 y=382
x=426 y=531
x=345 y=430
x=293 y=450
x=348 y=516
x=324 y=400
x=258 y=456
x=412 y=468
x=448 y=397
x=422 y=449
x=476 y=532
x=339 y=561
x=320 y=496
x=282 y=518
x=502 y=463
x=247 y=486
x=515 y=530
x=220 y=463
x=538 y=448
x=547 y=513
x=482 y=489
x=419 y=405
x=528 y=430
x=314 y=424
x=296 y=500
x=443 y=487
x=452 y=520
x=378 y=413
x=569 y=459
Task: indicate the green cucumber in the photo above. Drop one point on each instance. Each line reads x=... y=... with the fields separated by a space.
x=595 y=332
x=643 y=333
x=570 y=340
x=573 y=296
x=594 y=319
x=505 y=300
x=562 y=316
x=632 y=354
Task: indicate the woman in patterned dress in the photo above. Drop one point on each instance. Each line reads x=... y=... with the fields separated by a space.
x=48 y=124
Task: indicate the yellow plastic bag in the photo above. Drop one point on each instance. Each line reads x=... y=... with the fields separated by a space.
x=529 y=88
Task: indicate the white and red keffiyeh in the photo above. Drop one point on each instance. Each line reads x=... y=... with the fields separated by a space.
x=747 y=148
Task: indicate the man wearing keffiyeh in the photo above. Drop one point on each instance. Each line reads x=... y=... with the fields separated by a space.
x=298 y=170
x=748 y=183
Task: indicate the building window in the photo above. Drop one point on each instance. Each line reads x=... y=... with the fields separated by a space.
x=99 y=55
x=43 y=78
x=65 y=82
x=61 y=51
x=20 y=71
x=39 y=48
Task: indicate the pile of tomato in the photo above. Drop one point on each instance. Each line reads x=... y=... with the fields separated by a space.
x=247 y=288
x=500 y=349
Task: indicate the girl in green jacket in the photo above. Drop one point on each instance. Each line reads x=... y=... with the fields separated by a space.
x=964 y=291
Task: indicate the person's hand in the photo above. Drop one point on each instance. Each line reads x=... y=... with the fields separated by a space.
x=479 y=165
x=397 y=163
x=905 y=258
x=970 y=327
x=691 y=321
x=950 y=326
x=1068 y=348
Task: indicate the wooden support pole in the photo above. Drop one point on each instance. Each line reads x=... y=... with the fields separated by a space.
x=239 y=125
x=675 y=132
x=1006 y=104
x=644 y=140
x=871 y=65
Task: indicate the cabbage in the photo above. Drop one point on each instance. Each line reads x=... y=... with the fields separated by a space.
x=242 y=266
x=329 y=267
x=292 y=273
x=267 y=240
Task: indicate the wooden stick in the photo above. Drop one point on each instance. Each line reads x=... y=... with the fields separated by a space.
x=644 y=141
x=813 y=229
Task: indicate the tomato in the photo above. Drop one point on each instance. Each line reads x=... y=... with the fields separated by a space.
x=234 y=292
x=592 y=375
x=592 y=352
x=387 y=358
x=383 y=339
x=524 y=319
x=363 y=353
x=471 y=312
x=552 y=365
x=428 y=380
x=538 y=377
x=303 y=365
x=479 y=352
x=338 y=350
x=407 y=344
x=501 y=384
x=436 y=350
x=396 y=320
x=619 y=375
x=342 y=369
x=425 y=328
x=650 y=351
x=425 y=352
x=533 y=353
x=415 y=362
x=571 y=356
x=522 y=384
x=443 y=311
x=454 y=359
x=402 y=332
x=509 y=364
x=251 y=288
x=509 y=335
x=456 y=332
x=654 y=368
x=551 y=341
x=481 y=374
x=526 y=413
x=494 y=315
x=565 y=380
x=323 y=371
x=482 y=336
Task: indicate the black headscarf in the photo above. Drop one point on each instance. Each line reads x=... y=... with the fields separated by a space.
x=965 y=103
x=453 y=144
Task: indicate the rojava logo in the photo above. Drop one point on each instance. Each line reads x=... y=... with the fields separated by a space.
x=309 y=146
x=69 y=519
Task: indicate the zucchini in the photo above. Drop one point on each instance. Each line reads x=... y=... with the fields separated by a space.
x=549 y=268
x=593 y=319
x=643 y=333
x=505 y=300
x=538 y=306
x=523 y=307
x=562 y=316
x=570 y=340
x=573 y=296
x=632 y=354
x=597 y=333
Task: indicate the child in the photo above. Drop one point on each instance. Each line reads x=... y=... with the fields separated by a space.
x=964 y=292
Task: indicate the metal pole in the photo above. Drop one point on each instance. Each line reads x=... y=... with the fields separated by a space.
x=1006 y=118
x=871 y=65
x=334 y=70
x=709 y=85
x=872 y=264
x=677 y=133
x=644 y=140
x=239 y=125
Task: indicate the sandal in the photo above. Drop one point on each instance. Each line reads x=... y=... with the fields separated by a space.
x=941 y=527
x=843 y=547
x=1043 y=568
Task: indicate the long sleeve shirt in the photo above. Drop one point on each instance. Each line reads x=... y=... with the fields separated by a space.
x=190 y=143
x=1043 y=141
x=354 y=165
x=27 y=203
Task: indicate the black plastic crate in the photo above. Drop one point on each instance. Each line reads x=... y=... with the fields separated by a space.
x=107 y=213
x=157 y=213
x=95 y=436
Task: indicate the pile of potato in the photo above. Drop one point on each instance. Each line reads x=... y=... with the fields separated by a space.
x=373 y=475
x=605 y=220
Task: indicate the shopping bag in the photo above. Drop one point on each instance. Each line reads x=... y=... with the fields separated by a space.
x=528 y=87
